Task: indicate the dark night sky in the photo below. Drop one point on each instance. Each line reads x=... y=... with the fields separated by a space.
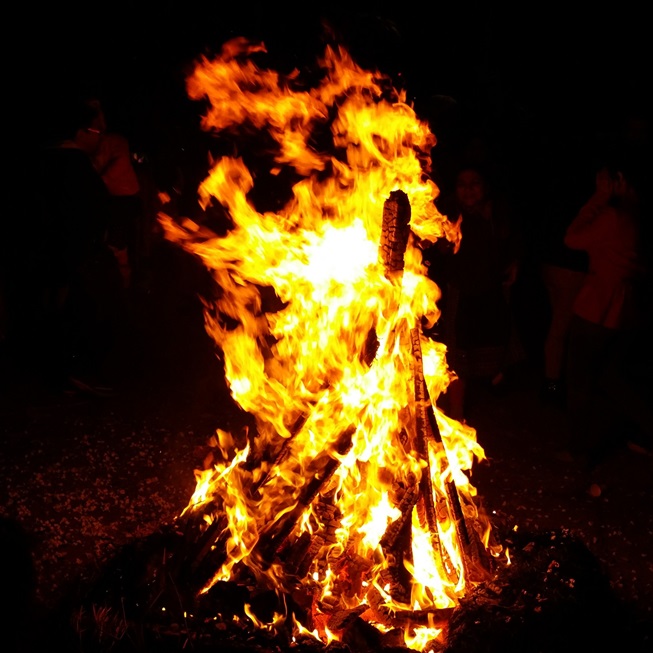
x=540 y=56
x=540 y=76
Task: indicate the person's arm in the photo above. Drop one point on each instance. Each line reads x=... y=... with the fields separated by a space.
x=594 y=217
x=114 y=164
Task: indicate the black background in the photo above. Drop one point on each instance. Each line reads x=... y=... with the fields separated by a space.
x=540 y=66
x=544 y=84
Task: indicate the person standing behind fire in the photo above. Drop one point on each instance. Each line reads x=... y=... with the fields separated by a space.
x=73 y=274
x=476 y=314
x=112 y=158
x=562 y=271
x=609 y=314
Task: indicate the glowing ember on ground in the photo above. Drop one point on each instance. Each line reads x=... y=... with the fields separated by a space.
x=353 y=487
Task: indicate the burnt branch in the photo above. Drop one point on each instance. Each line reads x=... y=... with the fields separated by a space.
x=423 y=432
x=273 y=536
x=476 y=560
x=395 y=230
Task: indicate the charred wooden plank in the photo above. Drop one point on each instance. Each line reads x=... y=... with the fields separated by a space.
x=207 y=541
x=395 y=230
x=341 y=619
x=405 y=506
x=392 y=617
x=424 y=430
x=476 y=560
x=360 y=636
x=328 y=516
x=275 y=533
x=209 y=547
x=370 y=348
x=281 y=455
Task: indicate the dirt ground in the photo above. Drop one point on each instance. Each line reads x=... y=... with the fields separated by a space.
x=84 y=476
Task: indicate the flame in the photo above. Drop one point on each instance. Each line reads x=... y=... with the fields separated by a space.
x=330 y=424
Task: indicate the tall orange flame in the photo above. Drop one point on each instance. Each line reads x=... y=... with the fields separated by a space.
x=327 y=416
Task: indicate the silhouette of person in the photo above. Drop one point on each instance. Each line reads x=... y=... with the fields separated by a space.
x=562 y=271
x=112 y=158
x=609 y=315
x=75 y=273
x=476 y=317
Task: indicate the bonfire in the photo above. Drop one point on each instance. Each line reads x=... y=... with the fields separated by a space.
x=349 y=495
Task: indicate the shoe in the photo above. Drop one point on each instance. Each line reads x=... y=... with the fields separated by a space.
x=90 y=387
x=499 y=384
x=595 y=490
x=565 y=456
x=553 y=393
x=640 y=448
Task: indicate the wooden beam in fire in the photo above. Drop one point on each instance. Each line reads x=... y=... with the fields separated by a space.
x=207 y=551
x=395 y=230
x=394 y=238
x=424 y=433
x=303 y=554
x=476 y=560
x=275 y=533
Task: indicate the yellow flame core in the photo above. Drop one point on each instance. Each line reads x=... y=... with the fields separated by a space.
x=303 y=363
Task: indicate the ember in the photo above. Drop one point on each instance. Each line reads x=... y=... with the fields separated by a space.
x=349 y=498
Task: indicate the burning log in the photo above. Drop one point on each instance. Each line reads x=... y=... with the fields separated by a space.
x=210 y=540
x=395 y=231
x=273 y=536
x=476 y=560
x=396 y=540
x=282 y=454
x=423 y=433
x=408 y=501
x=392 y=618
x=208 y=552
x=301 y=555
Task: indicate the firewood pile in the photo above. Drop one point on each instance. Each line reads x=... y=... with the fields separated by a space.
x=299 y=555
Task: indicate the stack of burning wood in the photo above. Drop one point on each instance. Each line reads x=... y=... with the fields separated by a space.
x=301 y=555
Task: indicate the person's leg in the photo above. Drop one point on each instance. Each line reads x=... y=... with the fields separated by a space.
x=55 y=346
x=626 y=386
x=562 y=286
x=94 y=311
x=587 y=408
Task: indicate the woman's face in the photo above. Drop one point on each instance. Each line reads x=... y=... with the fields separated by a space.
x=470 y=189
